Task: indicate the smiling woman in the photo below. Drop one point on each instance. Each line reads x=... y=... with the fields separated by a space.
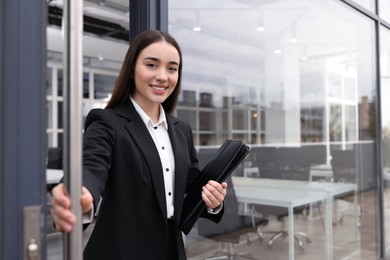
x=141 y=160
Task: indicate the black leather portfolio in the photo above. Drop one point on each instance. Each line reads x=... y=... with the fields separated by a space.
x=222 y=164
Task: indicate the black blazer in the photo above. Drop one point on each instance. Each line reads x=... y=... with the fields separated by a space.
x=121 y=163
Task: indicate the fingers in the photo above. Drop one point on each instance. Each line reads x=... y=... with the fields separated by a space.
x=213 y=193
x=63 y=218
x=86 y=200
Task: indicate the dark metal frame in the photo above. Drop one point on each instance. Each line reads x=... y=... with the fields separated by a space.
x=148 y=14
x=22 y=119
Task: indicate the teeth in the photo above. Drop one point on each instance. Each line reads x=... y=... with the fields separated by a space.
x=158 y=88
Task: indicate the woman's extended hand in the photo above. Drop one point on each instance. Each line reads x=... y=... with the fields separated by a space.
x=63 y=217
x=213 y=193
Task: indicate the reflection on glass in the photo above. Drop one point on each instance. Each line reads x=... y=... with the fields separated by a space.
x=351 y=123
x=103 y=85
x=189 y=116
x=85 y=85
x=240 y=119
x=368 y=4
x=384 y=10
x=207 y=120
x=385 y=109
x=282 y=74
x=335 y=89
x=49 y=84
x=335 y=123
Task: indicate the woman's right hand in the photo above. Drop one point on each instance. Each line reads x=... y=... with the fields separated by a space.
x=63 y=217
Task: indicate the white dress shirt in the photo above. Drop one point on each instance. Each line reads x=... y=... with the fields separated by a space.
x=159 y=133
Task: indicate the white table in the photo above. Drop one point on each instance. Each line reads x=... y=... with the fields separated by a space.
x=53 y=176
x=284 y=197
x=332 y=190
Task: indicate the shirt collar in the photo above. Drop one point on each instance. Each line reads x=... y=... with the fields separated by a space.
x=146 y=119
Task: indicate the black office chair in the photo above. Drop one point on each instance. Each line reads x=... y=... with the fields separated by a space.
x=265 y=159
x=54 y=158
x=286 y=163
x=357 y=166
x=230 y=230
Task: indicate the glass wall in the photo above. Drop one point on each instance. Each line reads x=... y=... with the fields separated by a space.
x=385 y=92
x=384 y=6
x=297 y=81
x=105 y=43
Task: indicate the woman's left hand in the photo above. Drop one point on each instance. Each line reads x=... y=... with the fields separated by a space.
x=213 y=193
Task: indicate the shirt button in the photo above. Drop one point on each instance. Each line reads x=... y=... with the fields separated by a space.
x=163 y=147
x=167 y=169
x=169 y=193
x=155 y=127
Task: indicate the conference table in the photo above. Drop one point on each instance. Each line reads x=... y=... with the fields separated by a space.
x=288 y=198
x=293 y=193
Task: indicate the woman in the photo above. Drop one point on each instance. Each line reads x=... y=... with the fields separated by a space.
x=140 y=159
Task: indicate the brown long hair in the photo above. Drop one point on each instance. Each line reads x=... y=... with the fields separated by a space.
x=125 y=83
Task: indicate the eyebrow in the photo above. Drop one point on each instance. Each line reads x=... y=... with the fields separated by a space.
x=155 y=59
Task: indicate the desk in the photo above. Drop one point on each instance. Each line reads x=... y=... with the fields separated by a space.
x=284 y=197
x=330 y=189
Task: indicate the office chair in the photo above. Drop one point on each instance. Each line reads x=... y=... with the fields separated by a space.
x=358 y=166
x=230 y=230
x=343 y=164
x=280 y=214
x=54 y=158
x=264 y=158
x=289 y=163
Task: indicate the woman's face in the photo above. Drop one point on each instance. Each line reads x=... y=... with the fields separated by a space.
x=156 y=74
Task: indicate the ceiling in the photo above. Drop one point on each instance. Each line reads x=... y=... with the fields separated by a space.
x=106 y=28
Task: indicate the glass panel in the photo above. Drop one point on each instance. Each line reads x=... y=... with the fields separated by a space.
x=207 y=139
x=308 y=68
x=103 y=86
x=49 y=107
x=207 y=120
x=189 y=116
x=368 y=4
x=59 y=83
x=85 y=85
x=105 y=42
x=385 y=102
x=49 y=83
x=240 y=119
x=384 y=10
x=335 y=123
x=351 y=123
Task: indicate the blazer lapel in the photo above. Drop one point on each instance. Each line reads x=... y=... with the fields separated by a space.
x=145 y=143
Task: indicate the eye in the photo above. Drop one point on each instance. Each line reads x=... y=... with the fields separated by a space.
x=151 y=65
x=172 y=69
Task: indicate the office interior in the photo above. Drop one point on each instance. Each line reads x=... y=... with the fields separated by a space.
x=305 y=83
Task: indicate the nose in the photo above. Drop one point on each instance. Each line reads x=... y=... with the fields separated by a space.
x=162 y=75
